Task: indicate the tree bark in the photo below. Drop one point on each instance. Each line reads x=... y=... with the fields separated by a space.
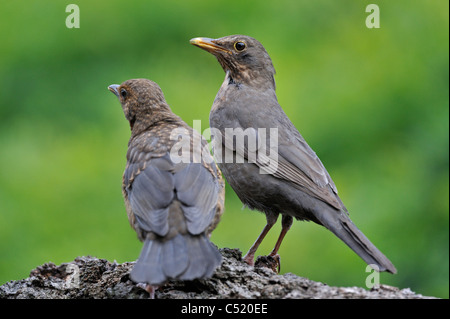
x=90 y=277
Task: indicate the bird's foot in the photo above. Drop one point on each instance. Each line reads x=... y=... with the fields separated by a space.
x=249 y=259
x=271 y=261
x=149 y=288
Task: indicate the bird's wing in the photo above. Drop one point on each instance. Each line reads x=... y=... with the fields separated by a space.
x=291 y=160
x=153 y=183
x=198 y=191
x=150 y=187
x=298 y=164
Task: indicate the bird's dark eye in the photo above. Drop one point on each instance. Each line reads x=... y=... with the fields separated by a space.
x=123 y=93
x=239 y=46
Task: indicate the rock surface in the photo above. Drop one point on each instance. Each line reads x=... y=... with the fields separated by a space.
x=89 y=277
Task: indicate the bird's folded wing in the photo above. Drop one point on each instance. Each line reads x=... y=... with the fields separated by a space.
x=156 y=183
x=303 y=168
x=150 y=191
x=198 y=192
x=293 y=161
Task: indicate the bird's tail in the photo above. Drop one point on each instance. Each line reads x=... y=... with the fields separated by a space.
x=344 y=228
x=183 y=257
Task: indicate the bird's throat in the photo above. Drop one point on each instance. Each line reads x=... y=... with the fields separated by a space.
x=132 y=121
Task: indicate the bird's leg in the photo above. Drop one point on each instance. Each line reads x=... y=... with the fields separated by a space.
x=286 y=223
x=151 y=290
x=249 y=257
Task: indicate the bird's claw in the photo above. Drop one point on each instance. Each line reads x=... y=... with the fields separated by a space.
x=272 y=262
x=148 y=288
x=249 y=259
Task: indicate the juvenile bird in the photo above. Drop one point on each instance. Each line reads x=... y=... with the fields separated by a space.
x=293 y=182
x=173 y=200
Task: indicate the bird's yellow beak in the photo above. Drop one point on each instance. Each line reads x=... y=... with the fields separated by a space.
x=208 y=45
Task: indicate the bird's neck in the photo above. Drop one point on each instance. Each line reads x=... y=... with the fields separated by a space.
x=148 y=121
x=258 y=80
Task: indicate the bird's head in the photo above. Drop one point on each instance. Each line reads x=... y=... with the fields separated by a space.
x=244 y=58
x=141 y=100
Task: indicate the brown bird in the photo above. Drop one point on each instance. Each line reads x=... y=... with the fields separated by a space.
x=291 y=180
x=173 y=190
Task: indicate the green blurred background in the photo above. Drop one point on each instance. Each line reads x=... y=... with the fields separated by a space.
x=372 y=103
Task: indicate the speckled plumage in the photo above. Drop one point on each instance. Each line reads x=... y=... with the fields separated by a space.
x=172 y=205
